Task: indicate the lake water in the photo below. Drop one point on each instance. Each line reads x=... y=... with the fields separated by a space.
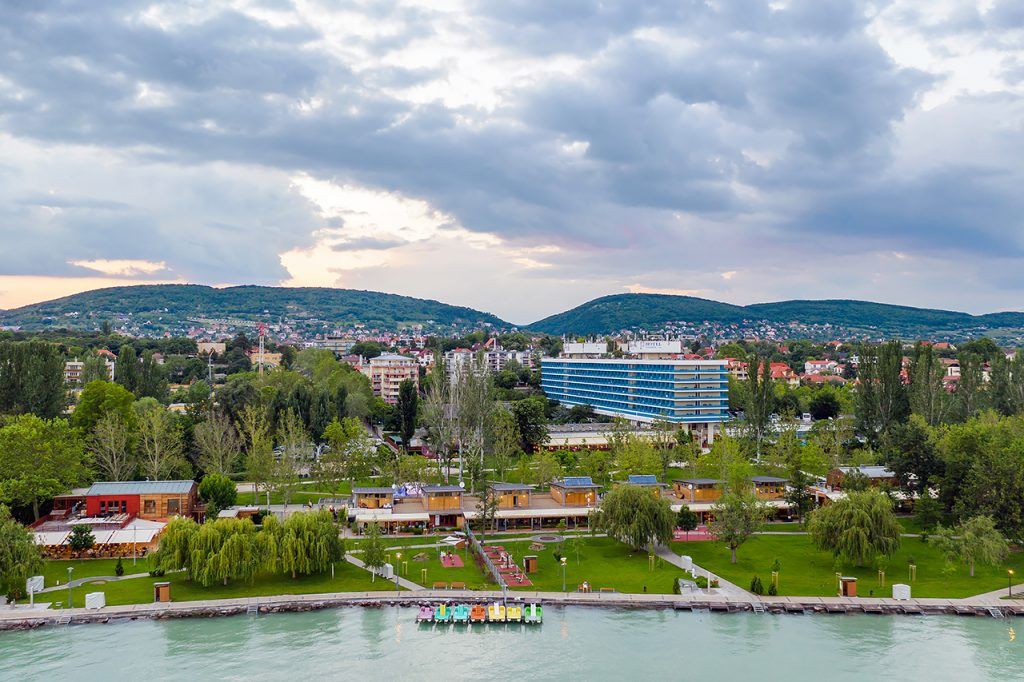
x=573 y=644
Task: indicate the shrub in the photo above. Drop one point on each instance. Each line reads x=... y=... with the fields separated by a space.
x=157 y=573
x=701 y=581
x=119 y=568
x=714 y=582
x=772 y=591
x=755 y=585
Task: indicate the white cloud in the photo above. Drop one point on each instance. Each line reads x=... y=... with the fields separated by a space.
x=124 y=267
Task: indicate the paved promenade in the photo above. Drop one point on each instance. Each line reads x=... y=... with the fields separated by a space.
x=712 y=600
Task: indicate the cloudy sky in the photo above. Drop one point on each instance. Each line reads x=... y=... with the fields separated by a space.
x=519 y=156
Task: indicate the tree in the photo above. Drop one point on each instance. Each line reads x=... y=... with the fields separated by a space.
x=110 y=447
x=321 y=413
x=440 y=418
x=797 y=496
x=737 y=515
x=127 y=368
x=408 y=403
x=32 y=379
x=94 y=368
x=975 y=540
x=160 y=447
x=909 y=451
x=39 y=458
x=373 y=550
x=760 y=403
x=259 y=448
x=687 y=520
x=218 y=444
x=152 y=378
x=633 y=516
x=882 y=399
x=857 y=528
x=19 y=555
x=927 y=511
x=294 y=446
x=347 y=454
x=218 y=492
x=531 y=422
x=309 y=543
x=928 y=395
x=969 y=387
x=546 y=468
x=81 y=538
x=824 y=404
x=505 y=442
x=487 y=510
x=100 y=398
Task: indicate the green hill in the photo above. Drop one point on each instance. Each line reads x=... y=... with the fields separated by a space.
x=169 y=307
x=653 y=311
x=633 y=311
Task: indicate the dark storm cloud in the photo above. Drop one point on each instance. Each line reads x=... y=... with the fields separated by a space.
x=758 y=121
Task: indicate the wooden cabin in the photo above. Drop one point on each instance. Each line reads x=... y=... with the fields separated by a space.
x=697 y=489
x=575 y=491
x=647 y=481
x=876 y=475
x=442 y=498
x=153 y=500
x=373 y=498
x=769 y=487
x=512 y=495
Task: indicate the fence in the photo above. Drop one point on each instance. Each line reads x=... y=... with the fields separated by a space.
x=475 y=545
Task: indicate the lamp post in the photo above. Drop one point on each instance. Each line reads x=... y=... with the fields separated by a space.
x=564 y=562
x=398 y=559
x=70 y=570
x=1009 y=583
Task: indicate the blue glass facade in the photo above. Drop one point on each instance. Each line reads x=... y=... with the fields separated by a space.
x=677 y=391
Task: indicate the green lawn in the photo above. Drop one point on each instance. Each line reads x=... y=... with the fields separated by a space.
x=56 y=572
x=782 y=527
x=348 y=578
x=603 y=562
x=469 y=573
x=806 y=571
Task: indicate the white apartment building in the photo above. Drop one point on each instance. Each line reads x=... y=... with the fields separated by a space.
x=73 y=370
x=387 y=372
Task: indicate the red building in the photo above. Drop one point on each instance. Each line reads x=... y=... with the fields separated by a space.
x=155 y=500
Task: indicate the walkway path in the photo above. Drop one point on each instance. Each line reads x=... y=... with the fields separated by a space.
x=726 y=588
x=91 y=579
x=407 y=584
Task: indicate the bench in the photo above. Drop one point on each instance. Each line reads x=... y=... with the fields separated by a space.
x=604 y=590
x=458 y=586
x=440 y=586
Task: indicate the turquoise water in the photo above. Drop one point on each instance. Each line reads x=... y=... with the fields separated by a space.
x=573 y=644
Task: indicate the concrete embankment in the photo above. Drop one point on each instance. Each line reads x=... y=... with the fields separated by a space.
x=981 y=606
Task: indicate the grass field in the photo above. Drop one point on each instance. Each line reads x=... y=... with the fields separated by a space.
x=807 y=571
x=603 y=562
x=56 y=572
x=347 y=578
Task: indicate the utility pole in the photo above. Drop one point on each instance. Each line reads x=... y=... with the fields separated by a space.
x=262 y=331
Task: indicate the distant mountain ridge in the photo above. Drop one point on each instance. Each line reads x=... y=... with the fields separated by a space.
x=652 y=311
x=172 y=306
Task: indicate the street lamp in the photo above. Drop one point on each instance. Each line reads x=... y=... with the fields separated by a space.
x=1009 y=582
x=398 y=564
x=70 y=569
x=564 y=562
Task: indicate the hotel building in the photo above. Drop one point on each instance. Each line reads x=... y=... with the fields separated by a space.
x=691 y=393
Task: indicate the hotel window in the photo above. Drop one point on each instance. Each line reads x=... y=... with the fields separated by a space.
x=149 y=507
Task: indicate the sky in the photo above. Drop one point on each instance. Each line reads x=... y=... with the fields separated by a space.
x=519 y=157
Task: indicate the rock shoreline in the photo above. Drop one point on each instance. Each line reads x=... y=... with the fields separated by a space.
x=288 y=604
